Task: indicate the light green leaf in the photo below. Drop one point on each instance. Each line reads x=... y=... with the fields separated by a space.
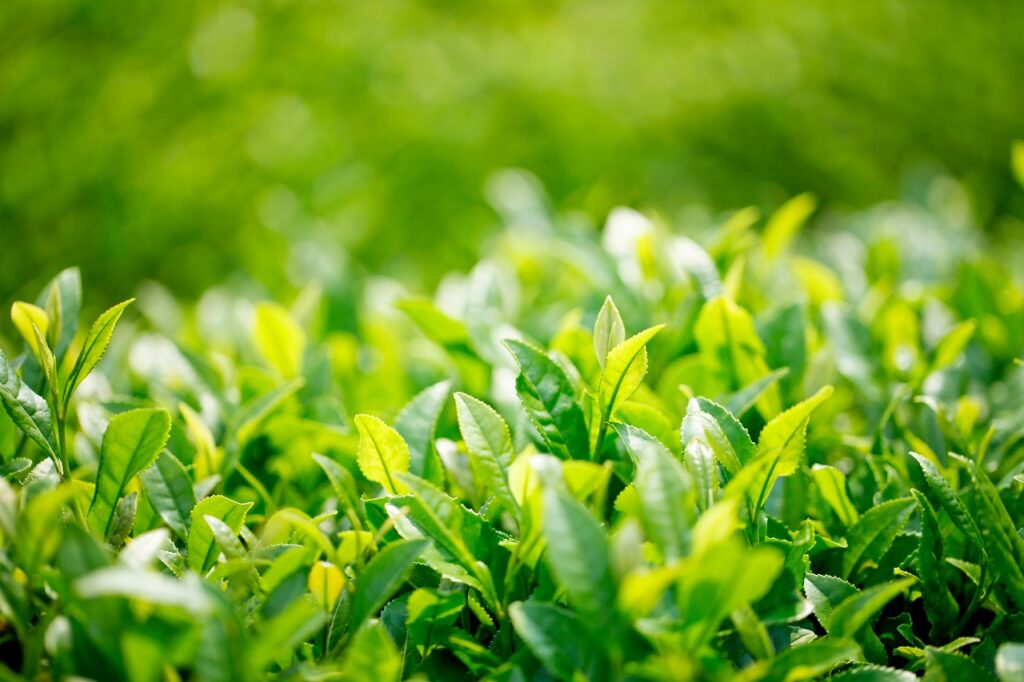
x=786 y=222
x=150 y=587
x=27 y=319
x=624 y=371
x=952 y=345
x=382 y=452
x=549 y=400
x=202 y=548
x=609 y=331
x=248 y=416
x=278 y=338
x=730 y=440
x=727 y=338
x=440 y=328
x=95 y=344
x=490 y=447
x=785 y=433
x=131 y=443
x=831 y=484
x=700 y=463
x=226 y=539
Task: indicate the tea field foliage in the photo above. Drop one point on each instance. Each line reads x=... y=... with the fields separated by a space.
x=728 y=450
x=179 y=141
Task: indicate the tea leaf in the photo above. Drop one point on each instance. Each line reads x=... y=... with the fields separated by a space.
x=131 y=443
x=382 y=452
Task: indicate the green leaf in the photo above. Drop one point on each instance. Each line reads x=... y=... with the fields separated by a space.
x=874 y=673
x=952 y=345
x=124 y=519
x=131 y=443
x=226 y=538
x=440 y=328
x=871 y=537
x=943 y=666
x=278 y=338
x=700 y=463
x=26 y=408
x=856 y=610
x=372 y=656
x=32 y=323
x=785 y=434
x=278 y=636
x=202 y=548
x=752 y=632
x=810 y=661
x=609 y=331
x=1010 y=662
x=1003 y=542
x=578 y=555
x=831 y=484
x=61 y=298
x=431 y=615
x=490 y=447
x=786 y=222
x=95 y=344
x=169 y=490
x=343 y=483
x=949 y=500
x=624 y=371
x=939 y=603
x=665 y=492
x=146 y=586
x=549 y=399
x=382 y=577
x=382 y=452
x=826 y=592
x=557 y=637
x=730 y=440
x=727 y=338
x=249 y=415
x=742 y=400
x=416 y=424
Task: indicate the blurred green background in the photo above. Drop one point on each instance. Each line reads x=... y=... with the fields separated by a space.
x=183 y=141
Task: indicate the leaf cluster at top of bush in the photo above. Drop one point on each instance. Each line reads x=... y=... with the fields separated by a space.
x=753 y=454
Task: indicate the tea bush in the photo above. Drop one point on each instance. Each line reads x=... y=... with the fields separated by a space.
x=748 y=453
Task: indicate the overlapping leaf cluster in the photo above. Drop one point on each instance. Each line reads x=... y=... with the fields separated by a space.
x=762 y=457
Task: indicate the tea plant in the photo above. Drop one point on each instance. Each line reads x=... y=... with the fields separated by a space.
x=762 y=457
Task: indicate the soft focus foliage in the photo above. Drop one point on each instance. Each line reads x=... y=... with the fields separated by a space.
x=747 y=452
x=183 y=140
